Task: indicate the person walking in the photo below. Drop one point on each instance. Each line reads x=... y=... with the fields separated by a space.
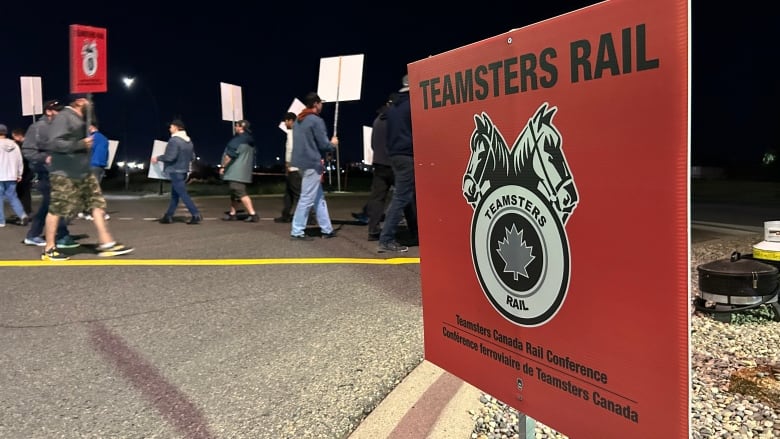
x=382 y=178
x=179 y=153
x=72 y=184
x=33 y=149
x=292 y=176
x=98 y=161
x=400 y=148
x=11 y=170
x=236 y=169
x=310 y=142
x=24 y=187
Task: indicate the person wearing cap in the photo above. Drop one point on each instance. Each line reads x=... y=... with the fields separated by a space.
x=35 y=138
x=11 y=169
x=237 y=161
x=310 y=142
x=179 y=154
x=73 y=185
x=401 y=152
x=292 y=177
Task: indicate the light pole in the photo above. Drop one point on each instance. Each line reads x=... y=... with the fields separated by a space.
x=129 y=81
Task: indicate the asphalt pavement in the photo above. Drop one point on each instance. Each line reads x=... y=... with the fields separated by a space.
x=217 y=330
x=231 y=330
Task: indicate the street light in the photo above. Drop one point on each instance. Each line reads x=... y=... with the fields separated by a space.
x=128 y=82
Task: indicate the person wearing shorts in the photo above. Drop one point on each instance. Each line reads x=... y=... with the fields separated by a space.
x=73 y=186
x=236 y=169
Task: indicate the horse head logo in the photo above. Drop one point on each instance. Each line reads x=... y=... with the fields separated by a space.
x=89 y=58
x=522 y=197
x=536 y=160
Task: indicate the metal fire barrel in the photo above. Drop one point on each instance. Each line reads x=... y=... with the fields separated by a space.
x=738 y=281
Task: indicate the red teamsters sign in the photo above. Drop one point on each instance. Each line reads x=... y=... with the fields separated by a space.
x=552 y=184
x=88 y=59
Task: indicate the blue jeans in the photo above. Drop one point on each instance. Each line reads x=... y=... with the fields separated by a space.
x=404 y=199
x=311 y=195
x=179 y=192
x=8 y=192
x=39 y=219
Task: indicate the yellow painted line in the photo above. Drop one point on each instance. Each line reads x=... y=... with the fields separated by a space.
x=203 y=262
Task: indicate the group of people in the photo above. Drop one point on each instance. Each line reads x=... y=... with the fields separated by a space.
x=393 y=167
x=306 y=144
x=67 y=155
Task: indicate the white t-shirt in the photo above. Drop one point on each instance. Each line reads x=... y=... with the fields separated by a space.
x=288 y=150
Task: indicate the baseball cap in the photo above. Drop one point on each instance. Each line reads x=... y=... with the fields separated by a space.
x=243 y=123
x=53 y=105
x=178 y=123
x=311 y=98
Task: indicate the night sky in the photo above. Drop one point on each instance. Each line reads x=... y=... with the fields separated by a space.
x=180 y=54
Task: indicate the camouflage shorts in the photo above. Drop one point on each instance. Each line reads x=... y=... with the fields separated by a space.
x=70 y=196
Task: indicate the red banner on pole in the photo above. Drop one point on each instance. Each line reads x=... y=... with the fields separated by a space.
x=88 y=59
x=552 y=186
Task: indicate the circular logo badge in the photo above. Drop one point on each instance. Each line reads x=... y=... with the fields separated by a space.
x=89 y=59
x=521 y=255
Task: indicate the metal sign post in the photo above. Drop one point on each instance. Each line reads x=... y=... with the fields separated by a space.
x=340 y=80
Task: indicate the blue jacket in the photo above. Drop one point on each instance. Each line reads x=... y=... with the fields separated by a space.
x=99 y=150
x=310 y=141
x=399 y=127
x=179 y=153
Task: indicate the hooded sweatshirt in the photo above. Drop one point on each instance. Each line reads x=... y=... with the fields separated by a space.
x=69 y=154
x=310 y=141
x=11 y=164
x=35 y=140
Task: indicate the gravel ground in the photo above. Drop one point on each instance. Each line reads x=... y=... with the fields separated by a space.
x=718 y=349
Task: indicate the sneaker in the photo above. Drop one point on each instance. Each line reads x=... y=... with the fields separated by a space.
x=392 y=246
x=229 y=217
x=67 y=242
x=40 y=242
x=106 y=217
x=283 y=219
x=301 y=238
x=166 y=220
x=373 y=236
x=252 y=218
x=53 y=254
x=114 y=250
x=88 y=217
x=80 y=215
x=362 y=218
x=2 y=224
x=329 y=235
x=23 y=221
x=195 y=219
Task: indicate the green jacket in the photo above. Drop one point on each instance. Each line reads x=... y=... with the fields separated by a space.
x=241 y=151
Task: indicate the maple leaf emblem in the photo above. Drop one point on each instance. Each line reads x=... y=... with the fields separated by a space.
x=516 y=255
